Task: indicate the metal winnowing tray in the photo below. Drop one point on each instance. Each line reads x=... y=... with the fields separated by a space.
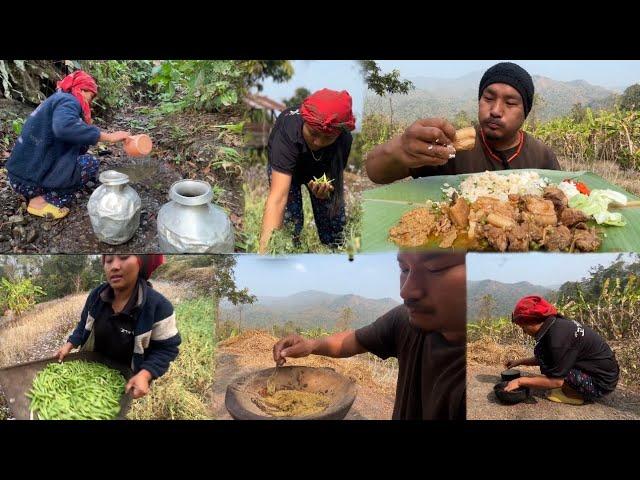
x=16 y=381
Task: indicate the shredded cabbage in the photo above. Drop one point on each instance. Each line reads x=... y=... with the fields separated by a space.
x=597 y=205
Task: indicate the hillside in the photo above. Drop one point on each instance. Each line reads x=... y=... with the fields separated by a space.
x=505 y=295
x=307 y=309
x=443 y=97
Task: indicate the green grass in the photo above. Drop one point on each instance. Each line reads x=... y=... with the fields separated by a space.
x=182 y=393
x=500 y=330
x=281 y=241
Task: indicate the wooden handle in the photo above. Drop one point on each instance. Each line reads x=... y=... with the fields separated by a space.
x=633 y=203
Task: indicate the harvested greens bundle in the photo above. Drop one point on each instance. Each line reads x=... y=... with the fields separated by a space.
x=77 y=390
x=323 y=180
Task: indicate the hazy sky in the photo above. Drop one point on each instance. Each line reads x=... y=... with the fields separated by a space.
x=536 y=268
x=344 y=74
x=377 y=275
x=369 y=275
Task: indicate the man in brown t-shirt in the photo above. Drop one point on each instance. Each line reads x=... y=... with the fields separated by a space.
x=426 y=335
x=505 y=97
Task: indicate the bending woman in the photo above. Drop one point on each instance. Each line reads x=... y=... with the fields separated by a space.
x=309 y=141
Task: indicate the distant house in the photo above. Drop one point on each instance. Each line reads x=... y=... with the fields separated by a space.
x=263 y=115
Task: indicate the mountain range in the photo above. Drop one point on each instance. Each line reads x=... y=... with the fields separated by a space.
x=307 y=309
x=445 y=97
x=505 y=296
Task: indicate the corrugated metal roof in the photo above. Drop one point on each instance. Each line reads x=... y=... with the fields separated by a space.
x=261 y=102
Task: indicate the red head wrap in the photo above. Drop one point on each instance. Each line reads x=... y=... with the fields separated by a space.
x=147 y=263
x=532 y=309
x=74 y=84
x=328 y=111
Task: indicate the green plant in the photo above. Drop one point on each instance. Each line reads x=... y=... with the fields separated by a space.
x=235 y=128
x=375 y=129
x=630 y=98
x=76 y=390
x=16 y=125
x=613 y=313
x=198 y=84
x=20 y=295
x=384 y=84
x=120 y=82
x=182 y=392
x=282 y=240
x=227 y=158
x=315 y=332
x=211 y=85
x=500 y=330
x=605 y=135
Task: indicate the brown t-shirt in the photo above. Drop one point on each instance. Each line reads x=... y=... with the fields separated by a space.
x=432 y=373
x=533 y=154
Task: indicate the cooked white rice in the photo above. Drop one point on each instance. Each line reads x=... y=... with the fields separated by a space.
x=491 y=184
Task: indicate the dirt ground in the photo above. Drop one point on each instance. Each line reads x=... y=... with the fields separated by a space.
x=622 y=404
x=179 y=152
x=251 y=351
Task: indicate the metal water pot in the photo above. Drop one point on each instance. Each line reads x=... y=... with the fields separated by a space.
x=114 y=208
x=190 y=223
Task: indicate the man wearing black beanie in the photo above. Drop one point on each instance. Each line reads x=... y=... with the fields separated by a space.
x=505 y=98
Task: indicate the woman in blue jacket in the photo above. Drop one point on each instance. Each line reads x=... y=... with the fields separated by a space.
x=128 y=321
x=49 y=161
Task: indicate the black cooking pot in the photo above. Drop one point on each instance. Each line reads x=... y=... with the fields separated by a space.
x=510 y=398
x=510 y=374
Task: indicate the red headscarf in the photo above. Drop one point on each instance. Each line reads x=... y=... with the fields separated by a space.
x=74 y=83
x=532 y=309
x=147 y=263
x=328 y=111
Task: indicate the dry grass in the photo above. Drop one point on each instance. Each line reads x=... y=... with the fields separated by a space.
x=610 y=171
x=628 y=357
x=18 y=337
x=365 y=369
x=174 y=292
x=486 y=351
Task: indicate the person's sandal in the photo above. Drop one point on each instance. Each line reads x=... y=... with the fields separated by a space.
x=557 y=395
x=49 y=211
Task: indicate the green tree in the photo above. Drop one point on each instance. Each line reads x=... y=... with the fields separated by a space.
x=487 y=307
x=258 y=70
x=630 y=99
x=462 y=119
x=212 y=85
x=224 y=285
x=18 y=296
x=298 y=97
x=62 y=275
x=347 y=316
x=578 y=112
x=384 y=85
